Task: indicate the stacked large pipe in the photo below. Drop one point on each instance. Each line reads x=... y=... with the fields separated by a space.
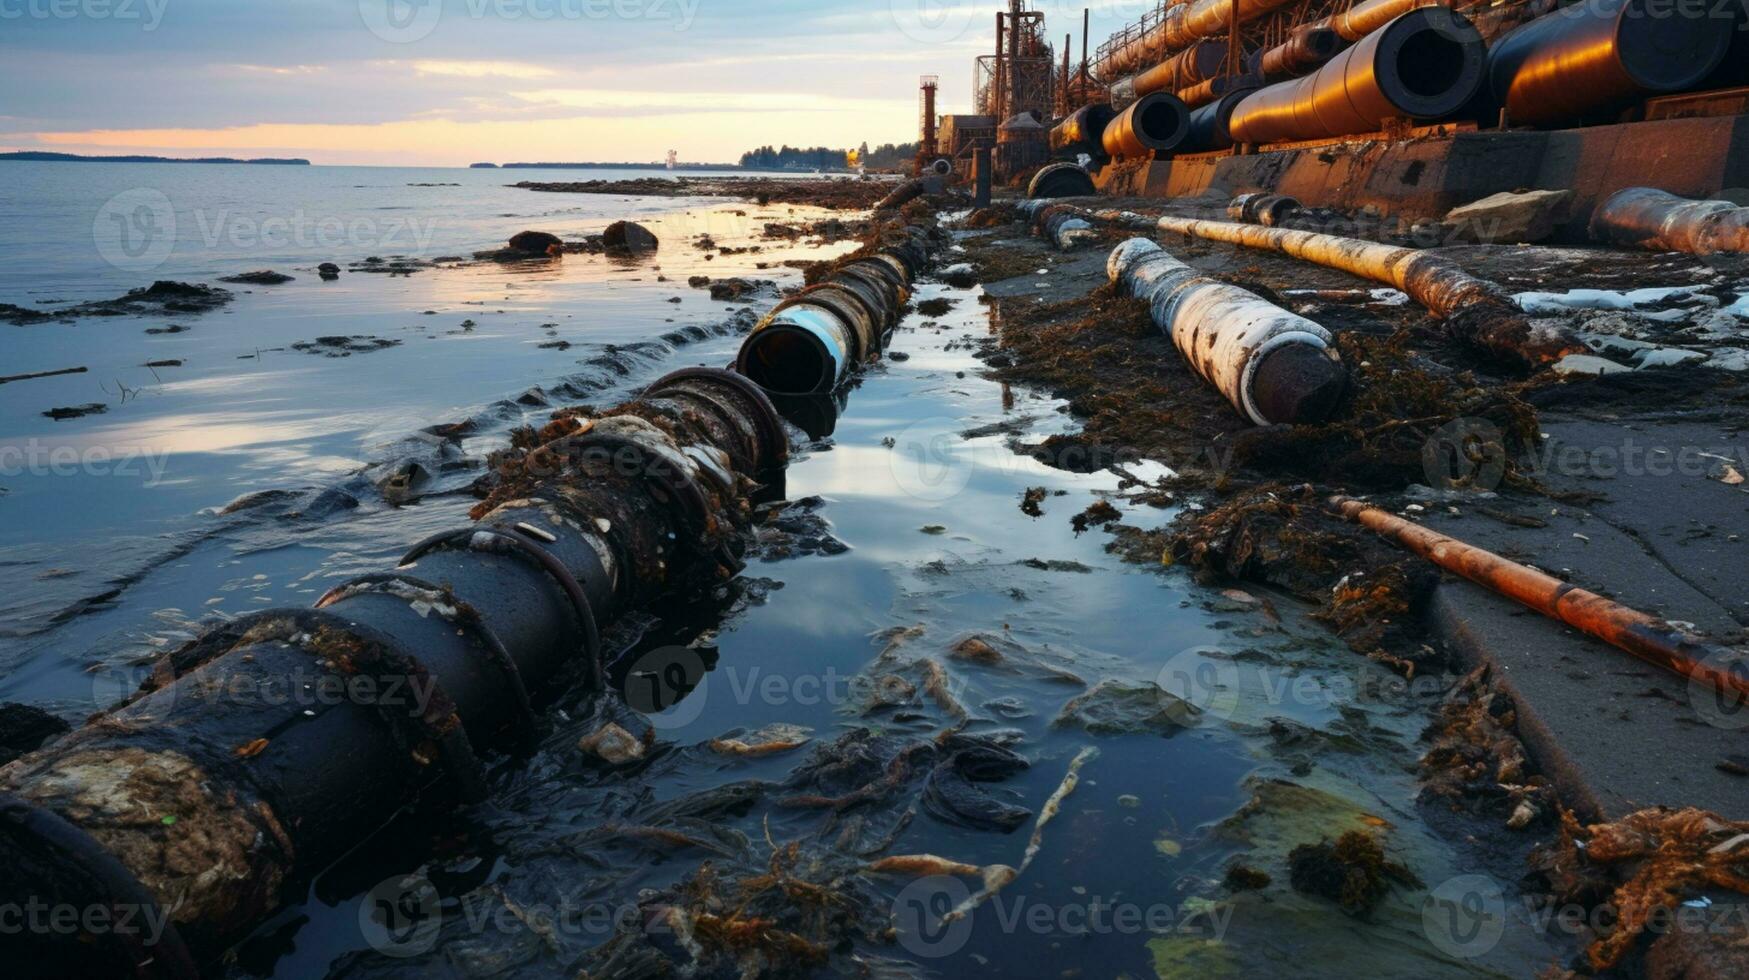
x=276 y=743
x=1211 y=124
x=1083 y=132
x=1643 y=217
x=1183 y=25
x=813 y=340
x=1155 y=124
x=1274 y=366
x=1197 y=63
x=1306 y=49
x=1425 y=64
x=1589 y=60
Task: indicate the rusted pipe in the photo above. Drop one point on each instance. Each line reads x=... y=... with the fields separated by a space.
x=1063 y=226
x=1207 y=92
x=813 y=340
x=1641 y=217
x=1650 y=639
x=1426 y=64
x=1209 y=124
x=1363 y=18
x=1306 y=49
x=1475 y=311
x=1268 y=210
x=1584 y=61
x=1183 y=25
x=1083 y=132
x=268 y=748
x=1061 y=180
x=273 y=744
x=1274 y=366
x=1157 y=123
x=903 y=194
x=1197 y=63
x=981 y=177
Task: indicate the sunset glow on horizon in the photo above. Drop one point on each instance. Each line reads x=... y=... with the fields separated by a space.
x=454 y=82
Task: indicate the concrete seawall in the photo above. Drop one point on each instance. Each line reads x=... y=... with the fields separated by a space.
x=1426 y=176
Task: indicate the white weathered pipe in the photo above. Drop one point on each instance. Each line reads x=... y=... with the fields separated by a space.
x=1475 y=310
x=1642 y=217
x=1274 y=366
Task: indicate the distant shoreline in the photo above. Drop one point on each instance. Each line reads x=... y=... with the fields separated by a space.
x=38 y=156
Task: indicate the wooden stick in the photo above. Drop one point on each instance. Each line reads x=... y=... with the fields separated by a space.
x=40 y=374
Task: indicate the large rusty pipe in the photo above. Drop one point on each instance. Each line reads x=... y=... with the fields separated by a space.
x=1197 y=63
x=1061 y=180
x=812 y=341
x=1641 y=217
x=1363 y=18
x=1183 y=25
x=1063 y=226
x=266 y=749
x=1650 y=639
x=1274 y=366
x=1426 y=64
x=1263 y=208
x=1590 y=59
x=1083 y=132
x=1476 y=311
x=273 y=744
x=1207 y=92
x=1155 y=124
x=1305 y=50
x=1210 y=127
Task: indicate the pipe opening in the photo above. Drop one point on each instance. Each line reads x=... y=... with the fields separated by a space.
x=1665 y=45
x=1161 y=123
x=1430 y=64
x=788 y=360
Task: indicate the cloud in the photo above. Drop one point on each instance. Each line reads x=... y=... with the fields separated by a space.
x=482 y=69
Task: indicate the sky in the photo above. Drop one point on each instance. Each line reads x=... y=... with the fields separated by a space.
x=454 y=82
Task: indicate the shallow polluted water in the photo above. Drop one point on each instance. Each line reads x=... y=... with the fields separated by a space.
x=927 y=733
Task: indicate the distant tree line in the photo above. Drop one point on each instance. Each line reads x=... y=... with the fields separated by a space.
x=887 y=155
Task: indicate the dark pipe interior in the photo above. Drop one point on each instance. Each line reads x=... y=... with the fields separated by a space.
x=1160 y=122
x=1667 y=45
x=1429 y=64
x=788 y=360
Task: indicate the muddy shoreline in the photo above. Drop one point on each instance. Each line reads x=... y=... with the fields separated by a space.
x=978 y=714
x=1257 y=514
